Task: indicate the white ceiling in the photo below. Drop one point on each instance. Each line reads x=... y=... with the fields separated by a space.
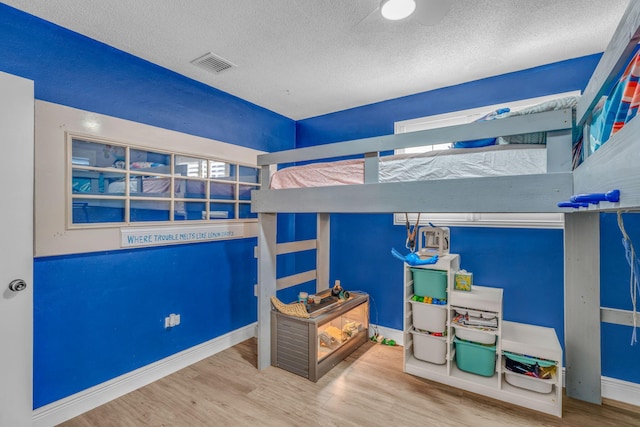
x=303 y=58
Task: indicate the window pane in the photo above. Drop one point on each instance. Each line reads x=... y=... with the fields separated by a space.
x=190 y=189
x=222 y=191
x=190 y=211
x=149 y=210
x=148 y=161
x=93 y=211
x=163 y=186
x=244 y=191
x=222 y=211
x=92 y=182
x=244 y=211
x=149 y=186
x=222 y=170
x=191 y=166
x=248 y=174
x=85 y=153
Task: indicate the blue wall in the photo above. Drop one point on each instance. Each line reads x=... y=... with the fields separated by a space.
x=101 y=315
x=527 y=263
x=73 y=70
x=619 y=357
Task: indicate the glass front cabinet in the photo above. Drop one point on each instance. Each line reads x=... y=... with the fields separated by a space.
x=311 y=347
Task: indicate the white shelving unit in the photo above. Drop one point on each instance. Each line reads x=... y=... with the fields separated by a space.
x=530 y=340
x=540 y=342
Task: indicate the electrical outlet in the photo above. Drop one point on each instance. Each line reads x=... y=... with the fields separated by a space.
x=172 y=320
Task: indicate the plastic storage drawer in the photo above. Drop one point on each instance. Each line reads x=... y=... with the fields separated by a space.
x=432 y=318
x=429 y=283
x=475 y=358
x=475 y=336
x=429 y=348
x=529 y=383
x=529 y=372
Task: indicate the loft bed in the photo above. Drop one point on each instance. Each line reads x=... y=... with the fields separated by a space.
x=612 y=166
x=535 y=192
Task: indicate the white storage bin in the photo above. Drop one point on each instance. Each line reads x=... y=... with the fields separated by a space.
x=475 y=336
x=429 y=348
x=529 y=383
x=429 y=317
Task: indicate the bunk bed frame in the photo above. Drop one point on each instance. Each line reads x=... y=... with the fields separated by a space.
x=614 y=165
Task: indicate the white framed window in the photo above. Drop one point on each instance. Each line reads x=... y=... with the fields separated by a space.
x=113 y=183
x=503 y=220
x=132 y=184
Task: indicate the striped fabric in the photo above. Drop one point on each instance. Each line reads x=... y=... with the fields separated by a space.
x=629 y=95
x=620 y=107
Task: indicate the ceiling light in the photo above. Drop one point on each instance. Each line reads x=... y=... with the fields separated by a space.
x=395 y=10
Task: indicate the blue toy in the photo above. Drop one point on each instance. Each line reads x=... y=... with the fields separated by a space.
x=413 y=259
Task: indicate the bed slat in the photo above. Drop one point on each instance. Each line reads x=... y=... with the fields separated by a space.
x=290 y=247
x=295 y=279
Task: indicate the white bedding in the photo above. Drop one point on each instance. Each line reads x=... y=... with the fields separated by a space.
x=118 y=187
x=496 y=160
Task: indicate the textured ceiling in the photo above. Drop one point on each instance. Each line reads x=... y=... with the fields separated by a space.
x=303 y=58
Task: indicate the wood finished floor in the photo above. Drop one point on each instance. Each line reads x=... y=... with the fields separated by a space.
x=366 y=389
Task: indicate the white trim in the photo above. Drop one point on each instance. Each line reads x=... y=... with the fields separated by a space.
x=52 y=125
x=490 y=220
x=621 y=391
x=388 y=333
x=615 y=389
x=74 y=405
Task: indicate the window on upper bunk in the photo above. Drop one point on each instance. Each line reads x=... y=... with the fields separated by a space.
x=114 y=183
x=467 y=116
x=523 y=220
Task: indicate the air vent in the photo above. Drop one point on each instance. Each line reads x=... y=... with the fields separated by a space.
x=212 y=63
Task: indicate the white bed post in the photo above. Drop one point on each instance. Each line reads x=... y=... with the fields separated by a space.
x=582 y=306
x=323 y=239
x=266 y=284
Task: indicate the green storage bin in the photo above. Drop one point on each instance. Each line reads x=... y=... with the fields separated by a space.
x=429 y=283
x=475 y=358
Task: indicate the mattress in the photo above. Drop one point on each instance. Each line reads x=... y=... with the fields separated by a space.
x=495 y=160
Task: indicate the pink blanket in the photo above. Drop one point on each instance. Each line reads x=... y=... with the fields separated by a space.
x=344 y=172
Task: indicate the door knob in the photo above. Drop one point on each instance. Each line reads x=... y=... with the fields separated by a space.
x=17 y=285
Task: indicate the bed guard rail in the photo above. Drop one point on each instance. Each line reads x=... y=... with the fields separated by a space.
x=539 y=122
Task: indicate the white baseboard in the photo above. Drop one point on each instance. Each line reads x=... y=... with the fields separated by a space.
x=622 y=391
x=615 y=389
x=74 y=405
x=388 y=333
